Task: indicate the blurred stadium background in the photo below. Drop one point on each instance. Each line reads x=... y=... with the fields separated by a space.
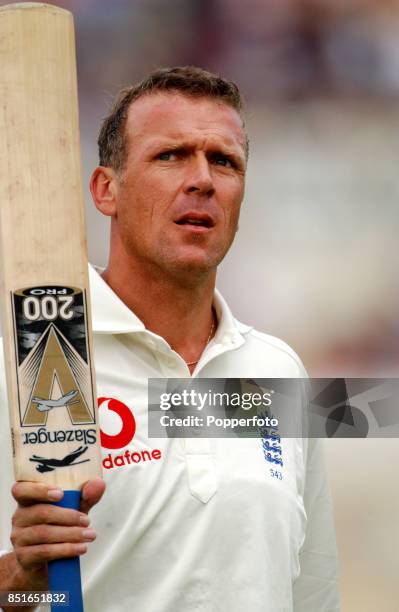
x=315 y=261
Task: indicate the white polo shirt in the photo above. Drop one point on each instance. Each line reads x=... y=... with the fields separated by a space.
x=196 y=525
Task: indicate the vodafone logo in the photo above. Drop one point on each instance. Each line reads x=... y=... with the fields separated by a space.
x=123 y=437
x=126 y=434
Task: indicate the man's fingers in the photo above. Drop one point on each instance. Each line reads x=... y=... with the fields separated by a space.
x=42 y=531
x=27 y=493
x=50 y=534
x=92 y=492
x=48 y=514
x=29 y=556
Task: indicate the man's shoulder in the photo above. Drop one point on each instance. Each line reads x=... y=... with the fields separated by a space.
x=275 y=344
x=272 y=348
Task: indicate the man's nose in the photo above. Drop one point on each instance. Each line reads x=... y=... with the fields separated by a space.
x=199 y=178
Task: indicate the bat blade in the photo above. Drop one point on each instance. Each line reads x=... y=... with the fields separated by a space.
x=43 y=259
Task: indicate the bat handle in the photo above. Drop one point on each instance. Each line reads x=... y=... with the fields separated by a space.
x=64 y=574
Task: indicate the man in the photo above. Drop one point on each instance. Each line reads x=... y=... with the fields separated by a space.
x=194 y=524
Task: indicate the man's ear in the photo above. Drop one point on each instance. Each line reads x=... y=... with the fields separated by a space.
x=104 y=189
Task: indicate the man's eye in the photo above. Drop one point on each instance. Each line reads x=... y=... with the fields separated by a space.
x=165 y=156
x=221 y=160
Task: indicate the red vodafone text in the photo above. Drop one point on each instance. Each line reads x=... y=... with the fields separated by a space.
x=123 y=437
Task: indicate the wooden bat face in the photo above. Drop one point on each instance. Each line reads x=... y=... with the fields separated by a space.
x=43 y=261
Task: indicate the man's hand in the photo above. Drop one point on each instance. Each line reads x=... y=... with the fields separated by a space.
x=42 y=532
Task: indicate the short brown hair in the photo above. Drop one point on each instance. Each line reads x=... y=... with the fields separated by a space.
x=188 y=80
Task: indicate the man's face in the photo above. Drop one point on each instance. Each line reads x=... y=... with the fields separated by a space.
x=179 y=195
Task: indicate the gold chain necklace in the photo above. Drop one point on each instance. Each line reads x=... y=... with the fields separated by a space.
x=191 y=363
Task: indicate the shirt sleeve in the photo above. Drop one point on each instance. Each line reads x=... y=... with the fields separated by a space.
x=316 y=589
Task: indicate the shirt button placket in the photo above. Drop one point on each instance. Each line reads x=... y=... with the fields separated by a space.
x=201 y=469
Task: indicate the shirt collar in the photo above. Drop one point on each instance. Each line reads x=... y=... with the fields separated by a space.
x=111 y=316
x=108 y=313
x=229 y=329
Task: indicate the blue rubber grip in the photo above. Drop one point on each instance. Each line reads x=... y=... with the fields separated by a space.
x=64 y=574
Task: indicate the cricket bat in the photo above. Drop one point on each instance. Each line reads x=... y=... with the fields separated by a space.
x=43 y=263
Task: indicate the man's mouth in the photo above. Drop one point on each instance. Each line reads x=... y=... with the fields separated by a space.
x=197 y=220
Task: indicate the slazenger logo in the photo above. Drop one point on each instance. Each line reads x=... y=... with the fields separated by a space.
x=123 y=437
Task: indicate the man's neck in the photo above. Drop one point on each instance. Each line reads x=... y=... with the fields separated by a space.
x=180 y=313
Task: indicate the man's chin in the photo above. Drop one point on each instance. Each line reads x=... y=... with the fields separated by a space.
x=193 y=269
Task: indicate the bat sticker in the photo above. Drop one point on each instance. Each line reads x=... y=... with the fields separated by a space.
x=50 y=332
x=49 y=465
x=47 y=404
